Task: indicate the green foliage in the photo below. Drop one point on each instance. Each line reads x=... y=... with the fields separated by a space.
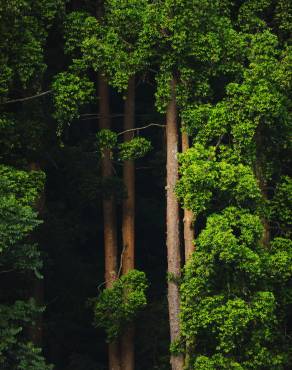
x=163 y=93
x=109 y=45
x=23 y=32
x=117 y=49
x=5 y=79
x=251 y=13
x=236 y=294
x=30 y=357
x=177 y=347
x=281 y=207
x=19 y=191
x=136 y=148
x=202 y=175
x=15 y=354
x=24 y=186
x=70 y=93
x=231 y=62
x=280 y=259
x=17 y=221
x=283 y=19
x=133 y=149
x=117 y=306
x=228 y=302
x=192 y=49
x=24 y=27
x=23 y=137
x=173 y=278
x=78 y=26
x=106 y=139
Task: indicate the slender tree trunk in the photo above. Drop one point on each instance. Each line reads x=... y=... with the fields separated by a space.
x=109 y=215
x=36 y=331
x=37 y=285
x=188 y=215
x=172 y=226
x=128 y=227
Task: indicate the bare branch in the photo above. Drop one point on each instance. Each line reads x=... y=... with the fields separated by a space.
x=7 y=271
x=28 y=97
x=119 y=271
x=140 y=128
x=121 y=261
x=217 y=145
x=219 y=141
x=88 y=116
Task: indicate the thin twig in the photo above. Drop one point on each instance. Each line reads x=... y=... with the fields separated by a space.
x=97 y=115
x=217 y=144
x=101 y=285
x=121 y=261
x=6 y=271
x=28 y=97
x=140 y=128
x=153 y=70
x=136 y=168
x=115 y=115
x=219 y=141
x=119 y=271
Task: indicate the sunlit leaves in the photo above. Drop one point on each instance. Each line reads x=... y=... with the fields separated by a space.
x=228 y=304
x=136 y=148
x=117 y=306
x=23 y=33
x=18 y=195
x=70 y=92
x=202 y=175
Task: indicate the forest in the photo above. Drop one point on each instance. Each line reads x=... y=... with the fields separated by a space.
x=145 y=185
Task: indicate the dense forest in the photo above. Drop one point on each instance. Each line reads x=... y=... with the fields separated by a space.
x=145 y=185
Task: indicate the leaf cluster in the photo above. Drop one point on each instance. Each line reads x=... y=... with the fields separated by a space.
x=18 y=219
x=229 y=314
x=70 y=92
x=118 y=306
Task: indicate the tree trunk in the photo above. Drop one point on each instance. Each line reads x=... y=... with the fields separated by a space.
x=109 y=214
x=128 y=223
x=188 y=215
x=172 y=226
x=35 y=332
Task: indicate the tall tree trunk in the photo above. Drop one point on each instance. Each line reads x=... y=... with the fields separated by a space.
x=37 y=285
x=172 y=225
x=109 y=214
x=188 y=215
x=128 y=223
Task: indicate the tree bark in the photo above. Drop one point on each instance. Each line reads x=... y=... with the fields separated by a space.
x=188 y=214
x=35 y=332
x=109 y=215
x=172 y=225
x=128 y=222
